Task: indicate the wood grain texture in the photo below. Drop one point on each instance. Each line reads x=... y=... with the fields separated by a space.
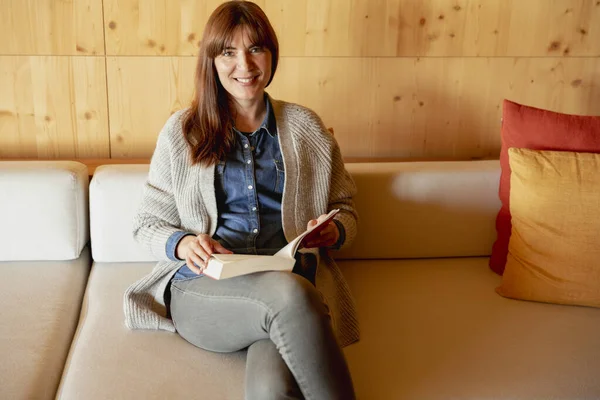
x=371 y=28
x=143 y=92
x=379 y=107
x=396 y=78
x=155 y=27
x=51 y=27
x=53 y=107
x=432 y=107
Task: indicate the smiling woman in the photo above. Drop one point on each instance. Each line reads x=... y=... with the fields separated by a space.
x=244 y=70
x=238 y=43
x=241 y=172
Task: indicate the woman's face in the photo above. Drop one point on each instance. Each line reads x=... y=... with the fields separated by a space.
x=244 y=68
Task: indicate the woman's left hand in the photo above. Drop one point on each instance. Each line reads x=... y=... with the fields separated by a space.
x=327 y=237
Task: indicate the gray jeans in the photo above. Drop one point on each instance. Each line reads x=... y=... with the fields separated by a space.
x=282 y=320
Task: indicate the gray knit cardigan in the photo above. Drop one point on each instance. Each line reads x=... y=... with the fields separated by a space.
x=181 y=196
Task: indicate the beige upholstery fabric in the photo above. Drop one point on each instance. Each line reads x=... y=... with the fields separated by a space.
x=431 y=329
x=49 y=198
x=425 y=209
x=115 y=195
x=109 y=361
x=39 y=308
x=435 y=329
x=439 y=209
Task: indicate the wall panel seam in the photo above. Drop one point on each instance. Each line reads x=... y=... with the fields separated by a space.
x=106 y=83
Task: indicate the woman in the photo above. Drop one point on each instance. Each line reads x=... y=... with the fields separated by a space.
x=241 y=172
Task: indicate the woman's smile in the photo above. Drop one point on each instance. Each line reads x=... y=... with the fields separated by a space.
x=244 y=68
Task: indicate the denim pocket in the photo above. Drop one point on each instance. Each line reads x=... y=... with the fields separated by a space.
x=280 y=179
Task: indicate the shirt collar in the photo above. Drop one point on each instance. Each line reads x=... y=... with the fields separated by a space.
x=268 y=123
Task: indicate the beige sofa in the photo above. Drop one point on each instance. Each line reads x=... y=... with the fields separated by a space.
x=44 y=268
x=432 y=325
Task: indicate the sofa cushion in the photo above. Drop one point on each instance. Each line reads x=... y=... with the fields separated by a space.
x=435 y=329
x=39 y=307
x=554 y=251
x=536 y=129
x=431 y=329
x=407 y=210
x=43 y=209
x=109 y=361
x=115 y=195
x=424 y=209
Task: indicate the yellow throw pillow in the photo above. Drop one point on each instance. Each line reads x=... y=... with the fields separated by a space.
x=554 y=248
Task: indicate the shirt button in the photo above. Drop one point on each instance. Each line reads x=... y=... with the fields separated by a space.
x=253 y=208
x=250 y=187
x=246 y=146
x=248 y=162
x=255 y=231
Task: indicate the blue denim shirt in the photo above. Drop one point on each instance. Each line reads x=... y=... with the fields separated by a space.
x=248 y=187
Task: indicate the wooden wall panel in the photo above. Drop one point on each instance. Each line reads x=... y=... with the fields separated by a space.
x=395 y=78
x=379 y=107
x=155 y=27
x=143 y=92
x=371 y=27
x=46 y=27
x=432 y=107
x=53 y=107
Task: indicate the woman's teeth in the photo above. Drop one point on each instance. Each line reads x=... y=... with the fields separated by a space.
x=244 y=80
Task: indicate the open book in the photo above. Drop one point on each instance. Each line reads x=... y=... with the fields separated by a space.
x=221 y=266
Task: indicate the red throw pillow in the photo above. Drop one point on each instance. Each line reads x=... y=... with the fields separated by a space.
x=536 y=129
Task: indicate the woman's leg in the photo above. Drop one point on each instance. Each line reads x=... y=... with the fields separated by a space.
x=267 y=375
x=231 y=314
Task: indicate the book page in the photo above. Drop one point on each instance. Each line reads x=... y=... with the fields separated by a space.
x=227 y=258
x=291 y=248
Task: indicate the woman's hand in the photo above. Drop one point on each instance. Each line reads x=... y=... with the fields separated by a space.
x=327 y=237
x=196 y=250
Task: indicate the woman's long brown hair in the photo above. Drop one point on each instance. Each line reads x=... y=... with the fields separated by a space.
x=207 y=124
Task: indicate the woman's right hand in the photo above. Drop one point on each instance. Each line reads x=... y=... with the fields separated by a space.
x=196 y=250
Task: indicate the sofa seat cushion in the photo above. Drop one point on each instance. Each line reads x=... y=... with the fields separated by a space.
x=109 y=361
x=40 y=303
x=431 y=329
x=435 y=329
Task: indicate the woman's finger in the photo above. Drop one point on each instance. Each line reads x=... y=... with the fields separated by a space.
x=190 y=264
x=220 y=249
x=199 y=251
x=206 y=243
x=322 y=217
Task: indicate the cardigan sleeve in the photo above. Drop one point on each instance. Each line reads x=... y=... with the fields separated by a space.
x=157 y=218
x=340 y=186
x=341 y=193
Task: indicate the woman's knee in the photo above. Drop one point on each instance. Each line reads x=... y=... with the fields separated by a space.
x=293 y=292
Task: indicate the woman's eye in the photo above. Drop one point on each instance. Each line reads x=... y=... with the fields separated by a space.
x=227 y=53
x=256 y=49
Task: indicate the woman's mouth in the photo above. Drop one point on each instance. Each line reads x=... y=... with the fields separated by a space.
x=247 y=81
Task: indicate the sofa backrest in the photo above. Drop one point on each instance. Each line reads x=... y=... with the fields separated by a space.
x=407 y=210
x=115 y=194
x=425 y=209
x=43 y=210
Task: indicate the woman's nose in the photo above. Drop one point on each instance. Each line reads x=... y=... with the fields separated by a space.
x=243 y=61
